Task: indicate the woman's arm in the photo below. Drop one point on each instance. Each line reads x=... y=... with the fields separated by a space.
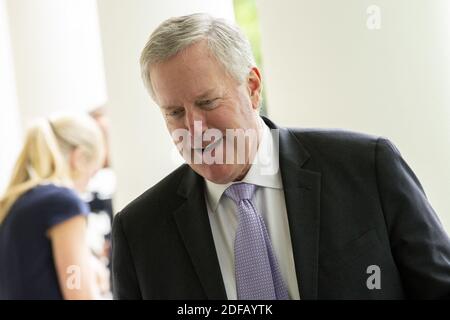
x=73 y=259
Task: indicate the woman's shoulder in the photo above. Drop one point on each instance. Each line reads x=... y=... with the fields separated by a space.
x=58 y=202
x=50 y=191
x=56 y=196
x=54 y=204
x=51 y=197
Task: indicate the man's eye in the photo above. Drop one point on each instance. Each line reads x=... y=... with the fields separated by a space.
x=175 y=113
x=207 y=103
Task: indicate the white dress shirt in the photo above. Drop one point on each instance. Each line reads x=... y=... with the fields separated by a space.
x=270 y=203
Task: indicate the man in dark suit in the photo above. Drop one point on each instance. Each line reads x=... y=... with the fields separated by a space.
x=338 y=215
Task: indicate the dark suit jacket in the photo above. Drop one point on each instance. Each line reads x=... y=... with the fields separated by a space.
x=351 y=200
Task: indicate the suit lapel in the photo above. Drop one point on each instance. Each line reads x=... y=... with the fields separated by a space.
x=193 y=224
x=302 y=195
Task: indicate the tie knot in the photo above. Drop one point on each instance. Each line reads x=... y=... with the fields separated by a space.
x=240 y=191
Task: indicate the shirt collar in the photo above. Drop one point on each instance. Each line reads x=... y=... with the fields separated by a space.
x=264 y=172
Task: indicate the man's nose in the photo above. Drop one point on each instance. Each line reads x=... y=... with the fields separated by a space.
x=196 y=123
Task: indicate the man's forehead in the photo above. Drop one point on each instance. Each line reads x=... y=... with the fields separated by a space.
x=206 y=93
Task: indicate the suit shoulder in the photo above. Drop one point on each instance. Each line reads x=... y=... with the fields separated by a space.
x=333 y=136
x=337 y=147
x=335 y=140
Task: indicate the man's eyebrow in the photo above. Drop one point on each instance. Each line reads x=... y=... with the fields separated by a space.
x=204 y=95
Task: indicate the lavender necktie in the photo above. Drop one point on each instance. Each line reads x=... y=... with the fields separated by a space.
x=257 y=272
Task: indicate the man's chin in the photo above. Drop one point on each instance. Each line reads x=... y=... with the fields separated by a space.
x=216 y=173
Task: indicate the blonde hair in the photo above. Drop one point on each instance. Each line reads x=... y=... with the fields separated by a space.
x=45 y=156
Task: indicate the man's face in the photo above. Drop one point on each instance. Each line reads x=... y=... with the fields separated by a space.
x=194 y=87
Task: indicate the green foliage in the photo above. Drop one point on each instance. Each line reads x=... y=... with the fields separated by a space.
x=247 y=18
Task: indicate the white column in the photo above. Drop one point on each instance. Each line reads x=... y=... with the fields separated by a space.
x=142 y=151
x=328 y=65
x=57 y=53
x=9 y=115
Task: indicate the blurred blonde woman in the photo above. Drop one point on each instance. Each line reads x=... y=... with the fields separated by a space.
x=43 y=250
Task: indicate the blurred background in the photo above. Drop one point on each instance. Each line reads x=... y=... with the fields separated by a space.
x=380 y=67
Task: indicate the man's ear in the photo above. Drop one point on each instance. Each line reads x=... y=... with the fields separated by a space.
x=254 y=85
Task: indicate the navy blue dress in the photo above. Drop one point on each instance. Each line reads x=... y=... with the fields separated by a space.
x=27 y=269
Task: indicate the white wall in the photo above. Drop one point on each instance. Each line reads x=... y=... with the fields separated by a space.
x=142 y=150
x=57 y=56
x=9 y=116
x=325 y=68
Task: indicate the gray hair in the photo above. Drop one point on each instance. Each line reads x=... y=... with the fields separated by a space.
x=226 y=41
